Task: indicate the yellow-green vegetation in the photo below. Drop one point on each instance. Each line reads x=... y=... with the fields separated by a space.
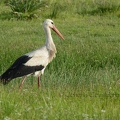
x=83 y=81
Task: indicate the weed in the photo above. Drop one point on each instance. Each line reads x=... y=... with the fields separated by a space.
x=26 y=8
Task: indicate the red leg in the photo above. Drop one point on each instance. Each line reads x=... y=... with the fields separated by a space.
x=38 y=81
x=22 y=82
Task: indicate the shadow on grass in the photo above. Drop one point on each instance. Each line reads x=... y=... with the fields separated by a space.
x=6 y=16
x=17 y=16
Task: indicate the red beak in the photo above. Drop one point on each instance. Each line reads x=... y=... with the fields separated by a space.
x=57 y=31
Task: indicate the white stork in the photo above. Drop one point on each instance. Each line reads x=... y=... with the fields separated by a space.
x=35 y=62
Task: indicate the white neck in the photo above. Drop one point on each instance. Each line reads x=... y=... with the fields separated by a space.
x=49 y=41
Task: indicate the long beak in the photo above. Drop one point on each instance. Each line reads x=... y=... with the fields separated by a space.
x=57 y=31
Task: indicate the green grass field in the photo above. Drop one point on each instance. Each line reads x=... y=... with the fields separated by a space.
x=81 y=83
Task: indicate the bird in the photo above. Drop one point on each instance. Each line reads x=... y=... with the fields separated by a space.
x=35 y=62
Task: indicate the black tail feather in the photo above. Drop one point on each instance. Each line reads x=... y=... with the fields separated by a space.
x=4 y=80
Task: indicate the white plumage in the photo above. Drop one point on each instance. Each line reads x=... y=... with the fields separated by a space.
x=39 y=57
x=33 y=62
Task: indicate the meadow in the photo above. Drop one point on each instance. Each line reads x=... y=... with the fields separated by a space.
x=83 y=81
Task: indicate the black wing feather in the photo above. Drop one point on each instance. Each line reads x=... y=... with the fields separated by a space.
x=18 y=69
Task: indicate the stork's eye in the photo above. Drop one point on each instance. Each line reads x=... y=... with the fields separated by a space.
x=51 y=22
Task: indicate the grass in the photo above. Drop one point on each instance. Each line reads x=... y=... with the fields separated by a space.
x=82 y=82
x=57 y=104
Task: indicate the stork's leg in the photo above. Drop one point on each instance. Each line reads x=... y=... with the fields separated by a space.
x=38 y=81
x=22 y=82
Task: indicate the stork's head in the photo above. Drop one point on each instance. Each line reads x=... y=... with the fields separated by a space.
x=49 y=23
